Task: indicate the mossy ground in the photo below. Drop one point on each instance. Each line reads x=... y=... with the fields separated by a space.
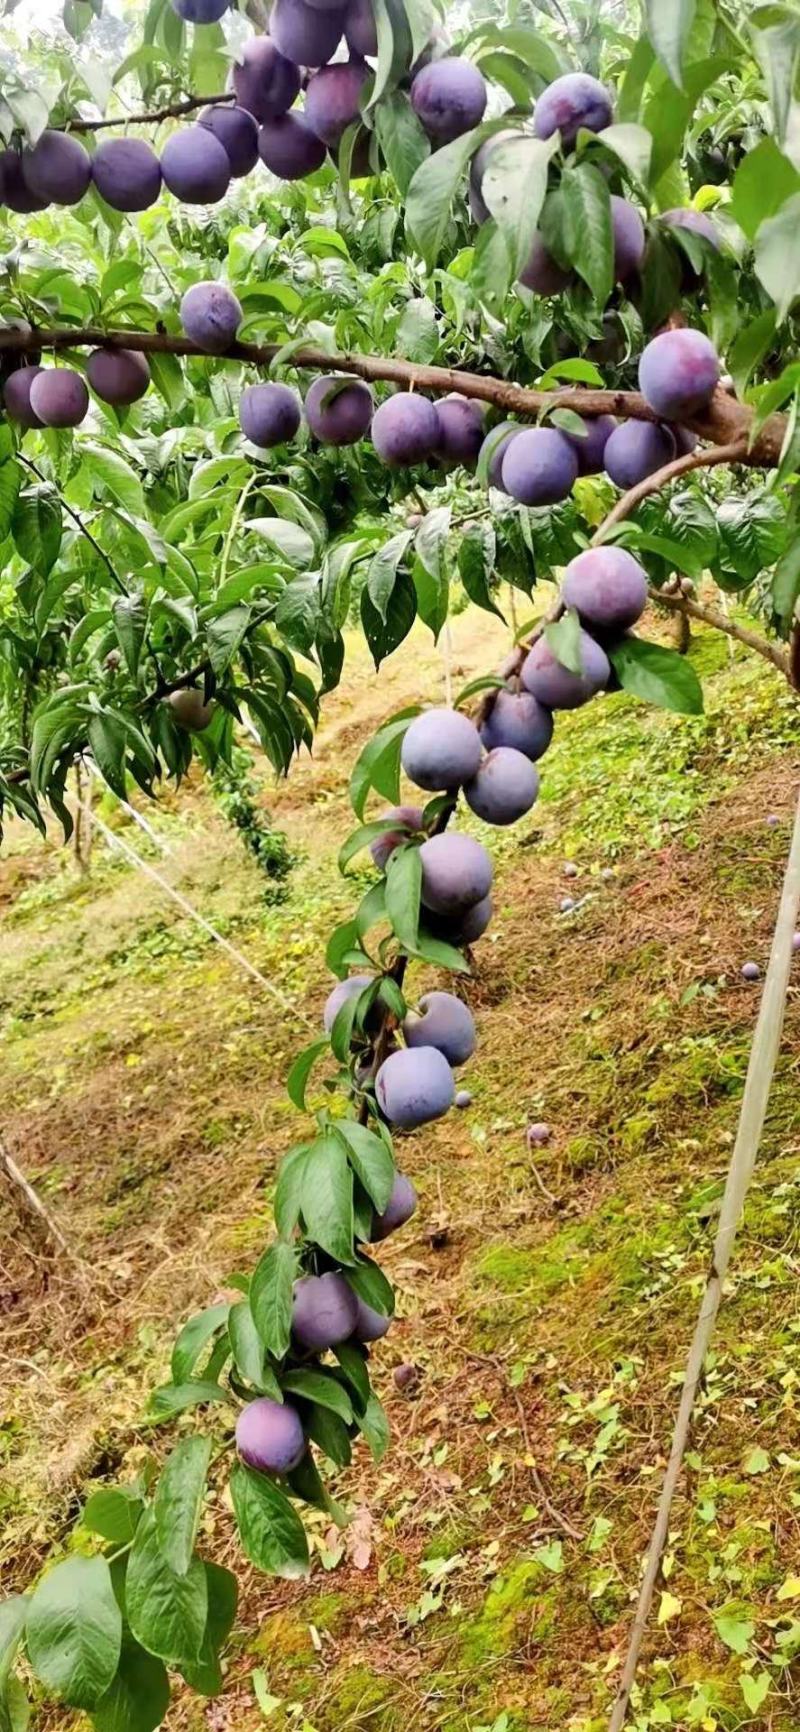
x=549 y=1314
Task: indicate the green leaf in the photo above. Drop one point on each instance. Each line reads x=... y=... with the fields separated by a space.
x=513 y=188
x=330 y=1434
x=116 y=477
x=74 y=1631
x=564 y=639
x=384 y=634
x=178 y=1501
x=323 y=1388
x=755 y=1688
x=378 y=765
x=364 y=835
x=205 y=1675
x=763 y=182
x=297 y=1080
x=248 y=1351
x=306 y=1483
x=776 y=40
x=588 y=238
x=224 y=635
x=751 y=345
x=477 y=552
x=36 y=528
x=289 y=1190
x=193 y=1337
x=172 y=1398
x=108 y=740
x=786 y=583
x=271 y=1532
x=668 y=26
x=13 y=1613
x=777 y=255
x=382 y=573
x=138 y=1698
x=631 y=144
x=659 y=676
x=401 y=137
x=431 y=540
x=370 y=1284
x=403 y=893
x=443 y=955
x=10 y=483
x=352 y=1359
x=375 y=1427
x=736 y=1632
x=166 y=1611
x=271 y=1296
x=371 y=1160
x=114 y=1513
x=327 y=1197
x=491 y=273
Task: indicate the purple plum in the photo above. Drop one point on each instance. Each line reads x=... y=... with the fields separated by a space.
x=463 y=1099
x=269 y=414
x=441 y=749
x=445 y=1022
x=118 y=376
x=236 y=130
x=516 y=719
x=195 y=166
x=16 y=192
x=200 y=11
x=607 y=586
x=189 y=709
x=360 y=29
x=210 y=316
x=404 y=1376
x=539 y=467
x=750 y=971
x=59 y=397
x=401 y=1206
x=465 y=928
x=266 y=80
x=17 y=396
x=504 y=788
x=456 y=873
x=333 y=97
x=324 y=1311
x=404 y=429
x=685 y=441
x=338 y=410
x=304 y=34
x=344 y=989
x=269 y=1436
x=449 y=97
x=796 y=941
x=288 y=147
x=539 y=1134
x=370 y=1325
x=679 y=373
x=556 y=686
x=58 y=169
x=542 y=274
x=636 y=449
x=414 y=1086
x=127 y=174
x=499 y=437
x=573 y=101
x=461 y=423
x=384 y=846
x=590 y=448
x=629 y=238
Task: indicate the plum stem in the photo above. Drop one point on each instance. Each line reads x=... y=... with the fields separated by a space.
x=173 y=111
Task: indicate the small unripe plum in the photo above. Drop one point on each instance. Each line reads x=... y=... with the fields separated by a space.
x=636 y=449
x=629 y=238
x=333 y=97
x=345 y=416
x=384 y=846
x=449 y=97
x=414 y=1086
x=773 y=820
x=17 y=396
x=118 y=376
x=370 y=1325
x=678 y=373
x=269 y=414
x=404 y=429
x=566 y=905
x=440 y=750
x=556 y=686
x=516 y=719
x=236 y=130
x=542 y=275
x=324 y=1311
x=539 y=467
x=14 y=188
x=504 y=788
x=590 y=448
x=360 y=29
x=345 y=989
x=404 y=1376
x=266 y=80
x=59 y=397
x=456 y=873
x=508 y=430
x=269 y=1436
x=607 y=586
x=751 y=971
x=58 y=169
x=463 y=1099
x=189 y=710
x=304 y=34
x=460 y=421
x=539 y=1133
x=576 y=100
x=445 y=1022
x=195 y=166
x=288 y=147
x=401 y=1206
x=127 y=174
x=200 y=11
x=210 y=316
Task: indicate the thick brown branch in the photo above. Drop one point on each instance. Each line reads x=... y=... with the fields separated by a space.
x=173 y=112
x=773 y=653
x=703 y=459
x=725 y=422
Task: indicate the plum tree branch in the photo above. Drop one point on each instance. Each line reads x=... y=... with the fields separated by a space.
x=707 y=458
x=172 y=111
x=714 y=617
x=726 y=423
x=77 y=520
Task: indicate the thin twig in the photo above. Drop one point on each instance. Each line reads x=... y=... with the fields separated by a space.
x=763 y=1056
x=34 y=1201
x=77 y=520
x=173 y=111
x=707 y=458
x=721 y=622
